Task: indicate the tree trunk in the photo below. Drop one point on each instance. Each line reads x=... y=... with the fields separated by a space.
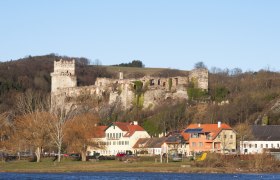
x=84 y=156
x=59 y=154
x=38 y=154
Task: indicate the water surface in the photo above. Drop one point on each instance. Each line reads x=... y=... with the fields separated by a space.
x=134 y=175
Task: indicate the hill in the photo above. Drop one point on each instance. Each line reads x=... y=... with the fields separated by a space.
x=244 y=97
x=34 y=73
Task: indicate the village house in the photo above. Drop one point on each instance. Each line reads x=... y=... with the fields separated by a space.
x=150 y=146
x=118 y=137
x=220 y=138
x=265 y=138
x=173 y=143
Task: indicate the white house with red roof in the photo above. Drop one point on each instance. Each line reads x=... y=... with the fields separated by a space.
x=118 y=137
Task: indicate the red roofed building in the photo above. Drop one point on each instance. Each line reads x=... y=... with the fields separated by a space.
x=118 y=137
x=210 y=137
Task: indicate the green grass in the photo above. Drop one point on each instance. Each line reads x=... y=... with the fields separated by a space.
x=100 y=166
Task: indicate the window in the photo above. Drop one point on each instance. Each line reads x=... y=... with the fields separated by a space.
x=114 y=142
x=261 y=145
x=225 y=136
x=250 y=146
x=244 y=145
x=266 y=145
x=219 y=136
x=200 y=144
x=193 y=144
x=277 y=145
x=256 y=146
x=120 y=135
x=271 y=145
x=195 y=135
x=231 y=136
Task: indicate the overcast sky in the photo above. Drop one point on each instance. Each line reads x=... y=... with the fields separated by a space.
x=160 y=33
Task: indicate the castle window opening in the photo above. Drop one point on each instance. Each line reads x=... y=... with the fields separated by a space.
x=176 y=81
x=163 y=84
x=152 y=82
x=159 y=82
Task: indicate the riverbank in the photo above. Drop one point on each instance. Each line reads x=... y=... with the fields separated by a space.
x=47 y=166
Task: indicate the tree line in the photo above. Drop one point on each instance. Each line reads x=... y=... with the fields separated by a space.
x=38 y=128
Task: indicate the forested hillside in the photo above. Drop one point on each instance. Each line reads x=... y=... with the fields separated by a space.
x=34 y=73
x=251 y=97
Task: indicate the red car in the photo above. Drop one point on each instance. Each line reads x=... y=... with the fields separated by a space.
x=120 y=155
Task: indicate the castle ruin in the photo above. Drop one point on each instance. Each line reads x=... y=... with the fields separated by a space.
x=153 y=90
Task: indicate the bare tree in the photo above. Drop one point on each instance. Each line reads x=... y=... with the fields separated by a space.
x=244 y=132
x=57 y=125
x=199 y=65
x=6 y=130
x=31 y=124
x=80 y=133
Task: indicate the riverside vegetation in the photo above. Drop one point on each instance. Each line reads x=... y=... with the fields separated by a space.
x=214 y=163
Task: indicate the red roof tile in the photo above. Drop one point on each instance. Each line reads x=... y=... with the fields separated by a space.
x=125 y=126
x=132 y=129
x=122 y=125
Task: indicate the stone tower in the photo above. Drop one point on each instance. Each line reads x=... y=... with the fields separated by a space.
x=200 y=77
x=63 y=75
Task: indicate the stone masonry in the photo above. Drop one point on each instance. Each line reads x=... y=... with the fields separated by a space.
x=122 y=91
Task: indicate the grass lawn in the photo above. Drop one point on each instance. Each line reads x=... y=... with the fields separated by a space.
x=101 y=166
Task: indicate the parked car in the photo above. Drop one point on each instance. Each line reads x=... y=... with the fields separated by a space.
x=120 y=155
x=94 y=156
x=75 y=156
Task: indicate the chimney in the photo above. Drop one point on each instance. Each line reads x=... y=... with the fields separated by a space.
x=219 y=124
x=135 y=123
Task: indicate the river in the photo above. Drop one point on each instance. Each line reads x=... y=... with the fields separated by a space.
x=127 y=175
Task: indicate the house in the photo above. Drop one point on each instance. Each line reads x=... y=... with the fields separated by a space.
x=150 y=146
x=265 y=138
x=219 y=138
x=118 y=137
x=175 y=143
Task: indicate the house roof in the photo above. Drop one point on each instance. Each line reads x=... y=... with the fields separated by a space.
x=126 y=126
x=100 y=131
x=149 y=142
x=175 y=138
x=266 y=133
x=141 y=142
x=204 y=128
x=132 y=129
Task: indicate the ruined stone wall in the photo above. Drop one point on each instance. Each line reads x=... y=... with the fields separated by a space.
x=200 y=78
x=122 y=91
